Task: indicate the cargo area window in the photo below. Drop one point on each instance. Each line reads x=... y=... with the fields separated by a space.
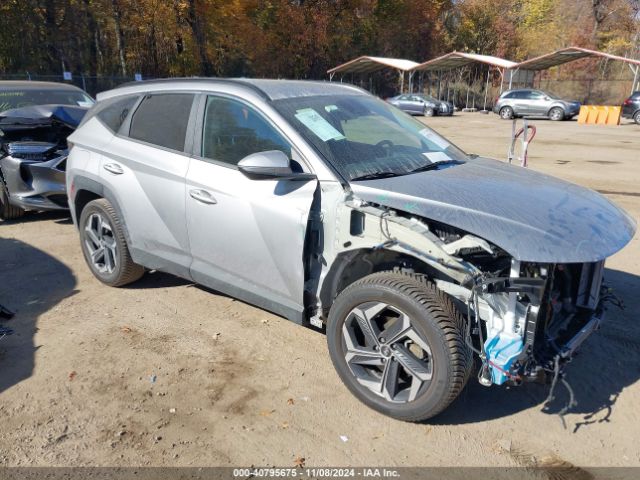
x=162 y=120
x=115 y=113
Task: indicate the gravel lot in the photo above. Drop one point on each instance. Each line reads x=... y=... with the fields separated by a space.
x=168 y=373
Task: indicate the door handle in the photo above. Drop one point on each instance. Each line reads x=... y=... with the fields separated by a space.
x=202 y=196
x=113 y=168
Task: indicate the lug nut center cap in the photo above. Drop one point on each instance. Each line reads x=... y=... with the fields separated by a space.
x=385 y=350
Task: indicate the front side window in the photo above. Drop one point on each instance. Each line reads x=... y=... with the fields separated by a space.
x=162 y=120
x=232 y=130
x=365 y=138
x=535 y=96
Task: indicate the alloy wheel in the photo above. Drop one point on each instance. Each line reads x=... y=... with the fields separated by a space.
x=101 y=243
x=556 y=114
x=506 y=113
x=385 y=353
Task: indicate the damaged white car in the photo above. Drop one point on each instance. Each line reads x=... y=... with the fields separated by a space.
x=327 y=206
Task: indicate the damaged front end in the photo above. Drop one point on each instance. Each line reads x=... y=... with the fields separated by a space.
x=33 y=154
x=525 y=319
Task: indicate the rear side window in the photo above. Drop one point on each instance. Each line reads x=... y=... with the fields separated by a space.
x=162 y=120
x=114 y=114
x=510 y=95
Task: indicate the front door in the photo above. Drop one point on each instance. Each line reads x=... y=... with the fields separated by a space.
x=538 y=103
x=247 y=236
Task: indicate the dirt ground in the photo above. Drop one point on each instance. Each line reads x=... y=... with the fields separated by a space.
x=168 y=373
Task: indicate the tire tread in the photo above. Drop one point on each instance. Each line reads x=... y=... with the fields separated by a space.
x=446 y=315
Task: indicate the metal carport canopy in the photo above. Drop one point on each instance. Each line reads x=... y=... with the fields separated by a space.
x=566 y=55
x=569 y=54
x=460 y=59
x=366 y=64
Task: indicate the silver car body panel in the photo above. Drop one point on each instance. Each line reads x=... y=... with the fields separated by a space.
x=45 y=179
x=33 y=170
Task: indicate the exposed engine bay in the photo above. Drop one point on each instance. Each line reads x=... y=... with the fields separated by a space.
x=524 y=320
x=33 y=154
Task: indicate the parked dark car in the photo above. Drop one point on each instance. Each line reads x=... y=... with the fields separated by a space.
x=631 y=107
x=421 y=104
x=534 y=103
x=35 y=120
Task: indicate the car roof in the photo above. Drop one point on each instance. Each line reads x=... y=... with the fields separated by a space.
x=34 y=85
x=270 y=89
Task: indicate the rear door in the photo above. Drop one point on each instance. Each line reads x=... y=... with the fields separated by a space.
x=145 y=168
x=246 y=236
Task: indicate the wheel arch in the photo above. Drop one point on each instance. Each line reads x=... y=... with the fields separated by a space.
x=87 y=190
x=352 y=265
x=557 y=105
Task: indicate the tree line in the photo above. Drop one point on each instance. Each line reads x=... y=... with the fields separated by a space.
x=294 y=38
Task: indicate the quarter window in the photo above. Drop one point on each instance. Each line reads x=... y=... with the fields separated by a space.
x=232 y=130
x=114 y=114
x=162 y=120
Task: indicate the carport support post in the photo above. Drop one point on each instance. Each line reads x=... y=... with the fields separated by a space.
x=486 y=89
x=635 y=71
x=439 y=83
x=401 y=73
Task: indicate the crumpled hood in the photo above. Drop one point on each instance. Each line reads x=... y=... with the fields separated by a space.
x=532 y=216
x=69 y=115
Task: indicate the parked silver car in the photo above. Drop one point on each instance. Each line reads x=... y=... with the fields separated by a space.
x=526 y=102
x=325 y=205
x=421 y=104
x=35 y=120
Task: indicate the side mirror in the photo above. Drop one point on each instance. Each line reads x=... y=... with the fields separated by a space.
x=270 y=165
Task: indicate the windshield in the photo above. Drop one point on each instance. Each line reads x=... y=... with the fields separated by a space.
x=25 y=98
x=365 y=138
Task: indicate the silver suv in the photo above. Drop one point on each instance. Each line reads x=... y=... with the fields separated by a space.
x=329 y=207
x=526 y=102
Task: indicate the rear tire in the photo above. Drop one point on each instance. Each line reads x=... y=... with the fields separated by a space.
x=8 y=211
x=411 y=376
x=556 y=114
x=429 y=112
x=506 y=113
x=104 y=245
x=636 y=117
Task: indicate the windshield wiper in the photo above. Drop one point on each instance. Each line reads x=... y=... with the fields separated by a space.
x=433 y=166
x=376 y=175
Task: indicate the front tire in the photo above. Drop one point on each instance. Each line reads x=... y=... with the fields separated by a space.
x=8 y=211
x=556 y=114
x=104 y=245
x=636 y=117
x=429 y=112
x=397 y=343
